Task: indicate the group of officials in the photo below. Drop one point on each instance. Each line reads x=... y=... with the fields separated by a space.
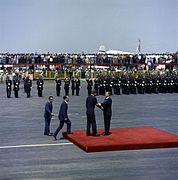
x=91 y=102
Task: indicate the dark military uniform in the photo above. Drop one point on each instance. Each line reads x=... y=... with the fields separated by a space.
x=8 y=87
x=58 y=86
x=89 y=86
x=40 y=83
x=133 y=85
x=73 y=85
x=28 y=86
x=116 y=86
x=148 y=85
x=77 y=86
x=102 y=87
x=96 y=86
x=66 y=86
x=125 y=86
x=16 y=83
x=108 y=85
x=140 y=85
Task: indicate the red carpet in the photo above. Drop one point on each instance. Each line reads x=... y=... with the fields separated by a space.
x=124 y=139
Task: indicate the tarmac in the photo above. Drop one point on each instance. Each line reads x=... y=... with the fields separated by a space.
x=25 y=153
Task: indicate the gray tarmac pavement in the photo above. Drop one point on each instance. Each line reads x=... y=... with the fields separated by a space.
x=25 y=153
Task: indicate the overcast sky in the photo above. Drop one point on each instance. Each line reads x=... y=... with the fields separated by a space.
x=75 y=26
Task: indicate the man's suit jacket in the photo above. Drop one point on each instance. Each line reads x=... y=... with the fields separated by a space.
x=107 y=106
x=63 y=111
x=91 y=101
x=48 y=109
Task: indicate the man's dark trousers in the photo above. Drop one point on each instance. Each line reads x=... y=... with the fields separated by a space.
x=47 y=125
x=91 y=121
x=107 y=120
x=68 y=122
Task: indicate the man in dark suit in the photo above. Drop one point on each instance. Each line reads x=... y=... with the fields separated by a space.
x=107 y=112
x=48 y=115
x=91 y=102
x=63 y=117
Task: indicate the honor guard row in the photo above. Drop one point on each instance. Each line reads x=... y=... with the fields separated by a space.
x=16 y=84
x=75 y=86
x=133 y=85
x=27 y=86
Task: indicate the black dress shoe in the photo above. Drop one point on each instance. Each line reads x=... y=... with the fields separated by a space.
x=106 y=134
x=54 y=138
x=70 y=133
x=96 y=134
x=50 y=134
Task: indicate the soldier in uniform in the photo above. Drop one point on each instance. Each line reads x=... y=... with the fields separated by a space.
x=133 y=85
x=77 y=86
x=40 y=83
x=66 y=86
x=102 y=86
x=16 y=83
x=116 y=85
x=125 y=85
x=163 y=85
x=58 y=86
x=25 y=84
x=96 y=85
x=28 y=86
x=175 y=84
x=108 y=85
x=8 y=86
x=141 y=84
x=89 y=85
x=73 y=85
x=148 y=85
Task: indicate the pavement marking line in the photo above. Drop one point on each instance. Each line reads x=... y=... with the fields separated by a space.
x=34 y=145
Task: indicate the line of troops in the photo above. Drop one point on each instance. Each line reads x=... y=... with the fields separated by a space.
x=134 y=85
x=74 y=83
x=123 y=85
x=27 y=86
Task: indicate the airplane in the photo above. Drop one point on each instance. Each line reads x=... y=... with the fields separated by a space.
x=102 y=50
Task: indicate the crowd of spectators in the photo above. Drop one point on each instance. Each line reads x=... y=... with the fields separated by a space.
x=8 y=58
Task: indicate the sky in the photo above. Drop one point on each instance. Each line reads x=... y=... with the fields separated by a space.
x=76 y=26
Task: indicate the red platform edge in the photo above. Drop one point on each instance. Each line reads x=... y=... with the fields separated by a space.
x=124 y=139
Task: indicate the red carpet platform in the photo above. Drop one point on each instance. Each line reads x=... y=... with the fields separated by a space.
x=124 y=139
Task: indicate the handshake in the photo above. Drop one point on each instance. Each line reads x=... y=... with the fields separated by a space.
x=99 y=106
